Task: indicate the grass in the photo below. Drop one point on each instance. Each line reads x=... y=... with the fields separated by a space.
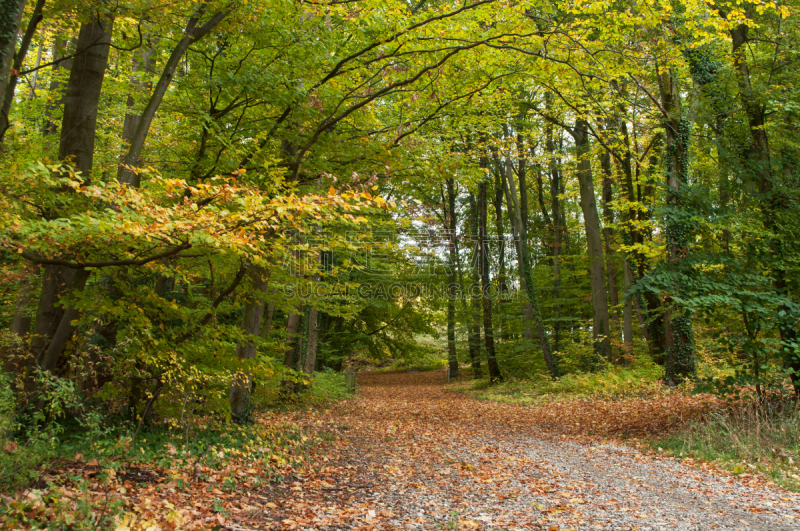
x=639 y=379
x=745 y=439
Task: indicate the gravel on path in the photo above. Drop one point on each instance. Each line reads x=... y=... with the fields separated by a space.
x=411 y=455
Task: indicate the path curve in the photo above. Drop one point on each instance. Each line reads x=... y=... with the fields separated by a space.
x=412 y=455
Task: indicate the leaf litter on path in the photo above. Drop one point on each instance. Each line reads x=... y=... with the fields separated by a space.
x=411 y=455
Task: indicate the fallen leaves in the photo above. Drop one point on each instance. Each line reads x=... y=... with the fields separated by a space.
x=406 y=453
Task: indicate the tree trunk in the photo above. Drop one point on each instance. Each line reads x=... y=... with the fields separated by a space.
x=452 y=354
x=62 y=47
x=242 y=384
x=19 y=60
x=474 y=317
x=144 y=61
x=523 y=261
x=502 y=286
x=82 y=97
x=608 y=237
x=594 y=241
x=488 y=329
x=64 y=331
x=292 y=328
x=311 y=343
x=761 y=163
x=680 y=360
x=191 y=34
x=21 y=323
x=555 y=189
x=11 y=12
x=269 y=313
x=53 y=326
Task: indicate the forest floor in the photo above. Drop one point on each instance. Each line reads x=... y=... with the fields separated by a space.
x=408 y=453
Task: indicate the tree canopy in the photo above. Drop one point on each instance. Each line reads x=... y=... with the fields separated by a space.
x=200 y=198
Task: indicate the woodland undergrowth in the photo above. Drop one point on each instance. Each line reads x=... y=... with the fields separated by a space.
x=91 y=472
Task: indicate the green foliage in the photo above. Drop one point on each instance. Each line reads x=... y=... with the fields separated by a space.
x=323 y=390
x=641 y=378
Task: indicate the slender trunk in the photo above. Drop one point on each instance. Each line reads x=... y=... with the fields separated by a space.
x=463 y=296
x=524 y=264
x=555 y=189
x=35 y=74
x=292 y=328
x=62 y=47
x=21 y=324
x=488 y=329
x=269 y=313
x=627 y=313
x=11 y=12
x=299 y=351
x=311 y=343
x=594 y=241
x=474 y=317
x=608 y=237
x=64 y=331
x=502 y=286
x=19 y=61
x=242 y=384
x=452 y=354
x=144 y=62
x=540 y=195
x=191 y=34
x=772 y=202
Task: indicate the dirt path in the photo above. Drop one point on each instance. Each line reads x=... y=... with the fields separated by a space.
x=411 y=455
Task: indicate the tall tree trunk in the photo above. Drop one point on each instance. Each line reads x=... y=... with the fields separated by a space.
x=528 y=333
x=64 y=331
x=191 y=34
x=502 y=286
x=242 y=384
x=301 y=339
x=269 y=314
x=772 y=202
x=594 y=241
x=18 y=62
x=540 y=195
x=473 y=356
x=474 y=317
x=292 y=330
x=524 y=264
x=680 y=360
x=452 y=354
x=488 y=329
x=53 y=325
x=62 y=47
x=555 y=190
x=311 y=343
x=11 y=12
x=144 y=63
x=21 y=323
x=82 y=96
x=608 y=237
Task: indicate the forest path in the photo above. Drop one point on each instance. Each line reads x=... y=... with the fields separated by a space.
x=411 y=455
